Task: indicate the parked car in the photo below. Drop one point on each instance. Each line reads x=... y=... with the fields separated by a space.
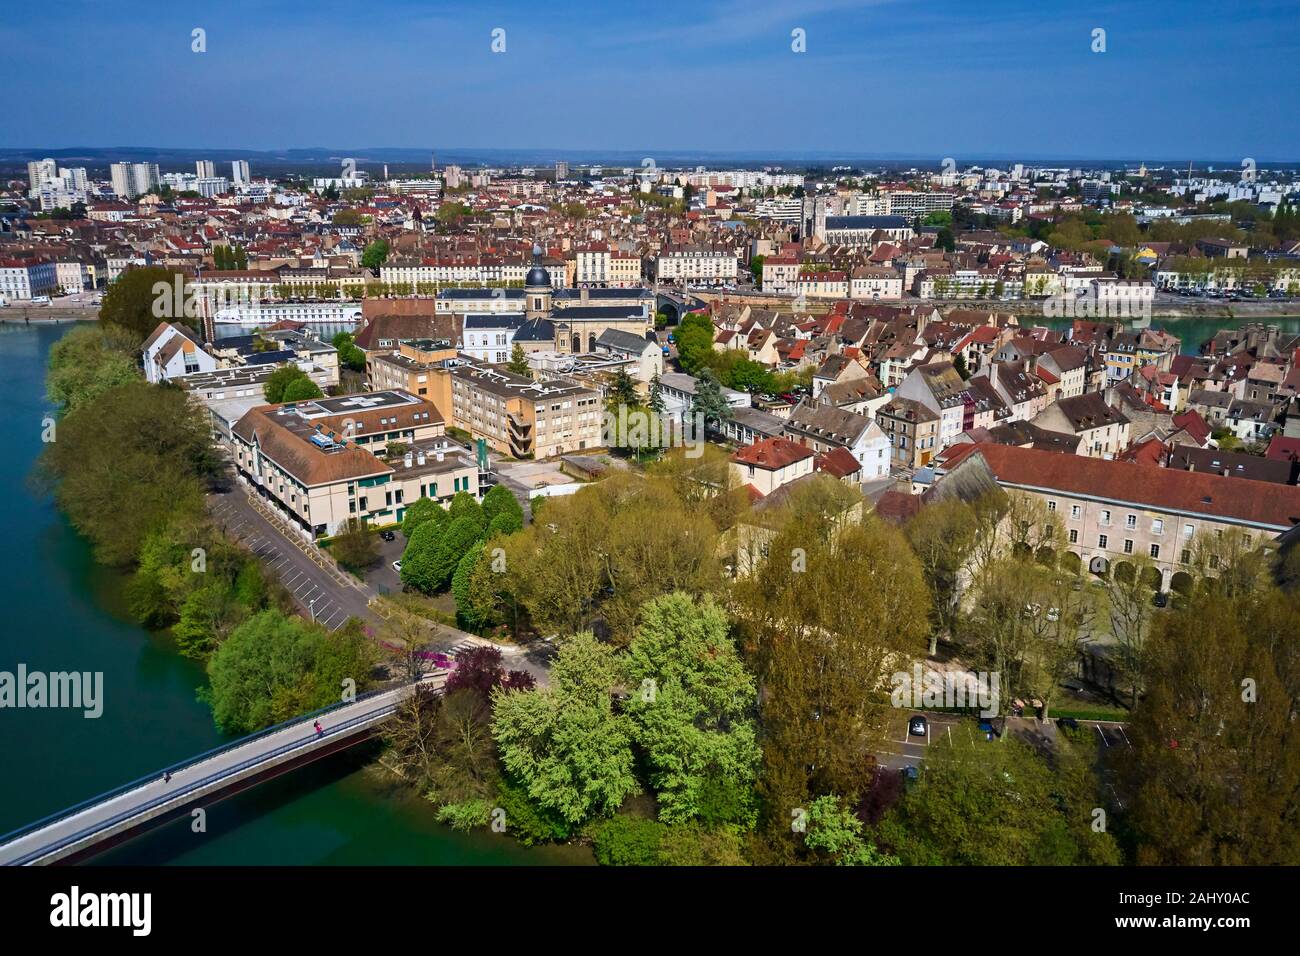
x=911 y=774
x=1069 y=723
x=1161 y=599
x=397 y=566
x=388 y=536
x=917 y=726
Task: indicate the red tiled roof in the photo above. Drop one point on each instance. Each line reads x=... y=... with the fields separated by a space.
x=1194 y=492
x=1192 y=423
x=838 y=461
x=772 y=453
x=1282 y=448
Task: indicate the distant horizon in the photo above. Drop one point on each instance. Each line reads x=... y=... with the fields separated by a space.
x=526 y=155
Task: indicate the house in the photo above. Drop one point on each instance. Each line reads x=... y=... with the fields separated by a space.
x=770 y=463
x=647 y=355
x=325 y=462
x=823 y=428
x=913 y=431
x=171 y=351
x=1231 y=464
x=1103 y=431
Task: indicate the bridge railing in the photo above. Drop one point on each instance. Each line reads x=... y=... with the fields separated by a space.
x=184 y=765
x=192 y=786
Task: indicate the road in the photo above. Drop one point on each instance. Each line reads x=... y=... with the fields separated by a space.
x=331 y=596
x=326 y=598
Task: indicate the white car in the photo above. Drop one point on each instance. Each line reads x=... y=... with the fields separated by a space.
x=397 y=566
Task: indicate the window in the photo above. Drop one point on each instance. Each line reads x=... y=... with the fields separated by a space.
x=1188 y=531
x=1051 y=506
x=1075 y=512
x=1101 y=540
x=1128 y=545
x=1186 y=556
x=1105 y=518
x=1157 y=526
x=1074 y=536
x=1155 y=550
x=1131 y=522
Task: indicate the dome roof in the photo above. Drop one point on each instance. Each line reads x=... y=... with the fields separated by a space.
x=538 y=277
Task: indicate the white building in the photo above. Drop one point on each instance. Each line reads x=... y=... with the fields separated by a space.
x=20 y=280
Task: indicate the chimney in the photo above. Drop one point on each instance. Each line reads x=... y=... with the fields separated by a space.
x=440 y=454
x=419 y=458
x=408 y=459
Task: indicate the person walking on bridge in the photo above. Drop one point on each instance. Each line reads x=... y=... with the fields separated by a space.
x=320 y=731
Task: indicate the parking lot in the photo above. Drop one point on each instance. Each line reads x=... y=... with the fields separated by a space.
x=902 y=749
x=323 y=597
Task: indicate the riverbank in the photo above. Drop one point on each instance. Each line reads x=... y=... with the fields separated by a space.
x=64 y=612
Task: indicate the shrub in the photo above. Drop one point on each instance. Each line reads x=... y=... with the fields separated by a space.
x=628 y=841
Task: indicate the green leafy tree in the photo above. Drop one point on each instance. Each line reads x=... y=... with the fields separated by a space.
x=278 y=382
x=501 y=500
x=375 y=254
x=709 y=400
x=301 y=389
x=274 y=667
x=518 y=363
x=355 y=548
x=420 y=511
x=1001 y=804
x=126 y=464
x=835 y=834
x=132 y=304
x=692 y=711
x=565 y=744
x=87 y=362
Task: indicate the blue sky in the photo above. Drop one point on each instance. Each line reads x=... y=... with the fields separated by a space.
x=1193 y=79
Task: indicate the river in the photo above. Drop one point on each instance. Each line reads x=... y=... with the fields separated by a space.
x=1193 y=331
x=64 y=612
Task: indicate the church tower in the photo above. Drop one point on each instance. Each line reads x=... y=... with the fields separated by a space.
x=537 y=289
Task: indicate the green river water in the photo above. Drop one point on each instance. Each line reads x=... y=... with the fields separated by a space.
x=62 y=611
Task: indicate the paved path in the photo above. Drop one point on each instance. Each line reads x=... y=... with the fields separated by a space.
x=83 y=827
x=332 y=596
x=323 y=592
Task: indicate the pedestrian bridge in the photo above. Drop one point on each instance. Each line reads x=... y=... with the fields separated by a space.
x=100 y=822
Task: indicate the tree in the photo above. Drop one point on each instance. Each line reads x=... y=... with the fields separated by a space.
x=1001 y=805
x=709 y=400
x=349 y=354
x=274 y=667
x=126 y=464
x=942 y=535
x=301 y=389
x=479 y=670
x=87 y=362
x=433 y=564
x=463 y=505
x=132 y=304
x=1213 y=778
x=355 y=548
x=622 y=391
x=691 y=706
x=829 y=613
x=278 y=383
x=565 y=744
x=1129 y=610
x=518 y=363
x=500 y=500
x=835 y=834
x=375 y=254
x=420 y=511
x=656 y=400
